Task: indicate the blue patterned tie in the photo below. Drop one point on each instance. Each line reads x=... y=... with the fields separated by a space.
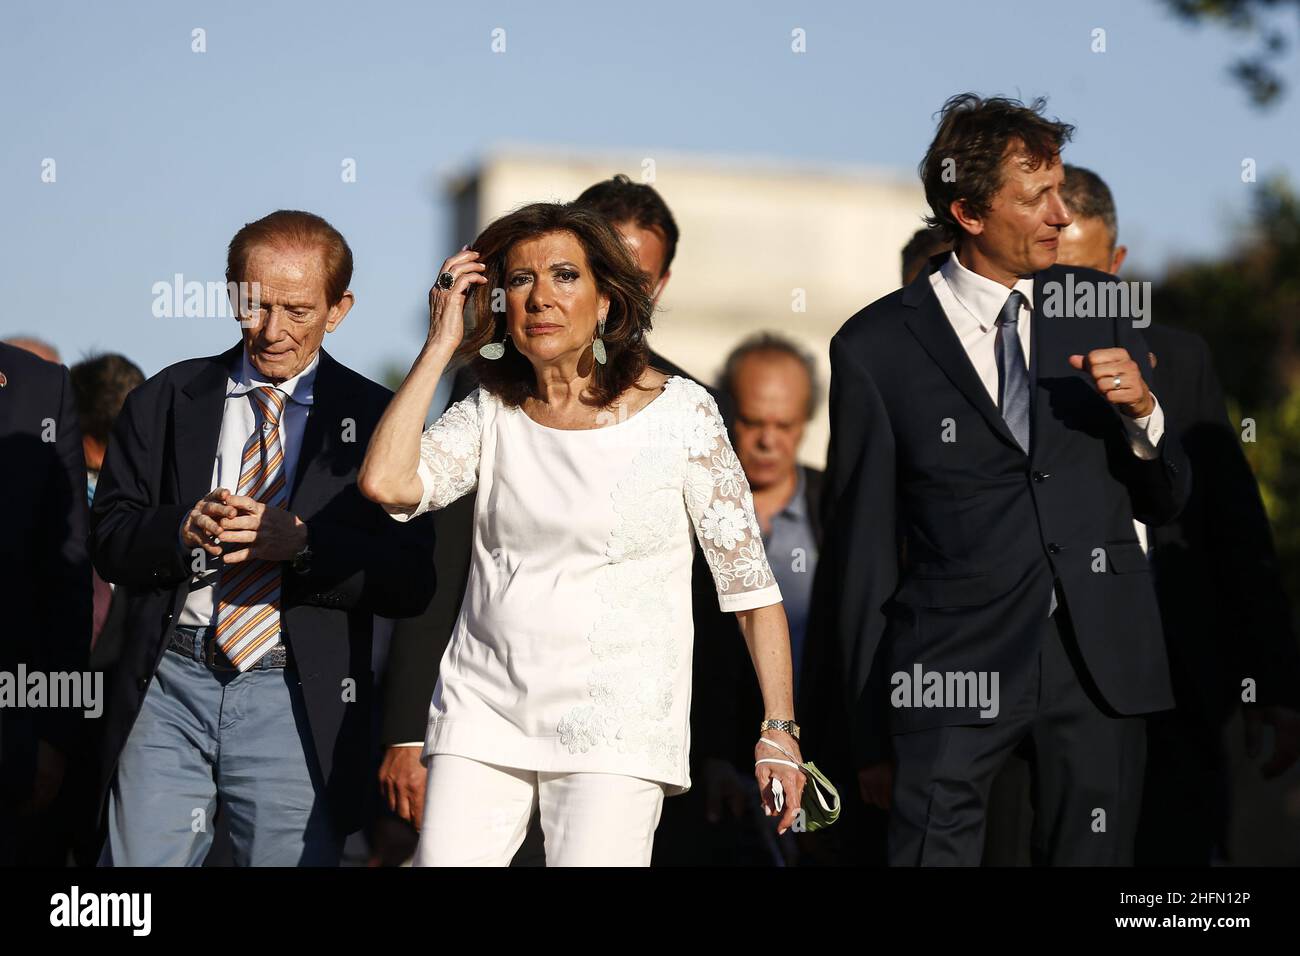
x=1013 y=400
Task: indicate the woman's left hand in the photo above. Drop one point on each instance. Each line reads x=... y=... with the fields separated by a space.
x=791 y=779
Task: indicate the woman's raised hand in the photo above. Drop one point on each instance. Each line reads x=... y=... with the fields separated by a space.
x=447 y=306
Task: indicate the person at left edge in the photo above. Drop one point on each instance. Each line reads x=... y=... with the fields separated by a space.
x=45 y=593
x=228 y=512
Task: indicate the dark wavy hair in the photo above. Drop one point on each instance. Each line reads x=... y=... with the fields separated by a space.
x=100 y=385
x=616 y=274
x=971 y=141
x=619 y=199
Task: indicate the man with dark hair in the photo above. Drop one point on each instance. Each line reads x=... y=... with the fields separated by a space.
x=228 y=514
x=985 y=465
x=647 y=226
x=644 y=220
x=101 y=384
x=966 y=164
x=1226 y=616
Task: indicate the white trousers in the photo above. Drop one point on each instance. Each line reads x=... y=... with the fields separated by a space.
x=476 y=814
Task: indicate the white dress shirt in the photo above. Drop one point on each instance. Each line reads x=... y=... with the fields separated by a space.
x=972 y=303
x=238 y=422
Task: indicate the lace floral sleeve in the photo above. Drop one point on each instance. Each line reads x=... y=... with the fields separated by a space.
x=722 y=510
x=449 y=450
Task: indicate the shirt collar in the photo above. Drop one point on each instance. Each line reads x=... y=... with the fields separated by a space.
x=300 y=388
x=797 y=505
x=980 y=296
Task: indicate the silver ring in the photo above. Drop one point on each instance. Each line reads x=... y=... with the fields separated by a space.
x=1116 y=382
x=446 y=280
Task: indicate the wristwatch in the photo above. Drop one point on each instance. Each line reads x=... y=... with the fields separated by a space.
x=301 y=562
x=772 y=723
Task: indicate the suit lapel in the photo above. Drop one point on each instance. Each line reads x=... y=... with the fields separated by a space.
x=326 y=417
x=932 y=329
x=1038 y=329
x=1048 y=346
x=199 y=409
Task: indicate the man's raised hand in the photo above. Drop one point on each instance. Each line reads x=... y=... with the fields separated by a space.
x=1119 y=380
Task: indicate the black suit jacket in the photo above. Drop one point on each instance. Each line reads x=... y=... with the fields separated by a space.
x=45 y=586
x=418 y=643
x=1225 y=613
x=728 y=703
x=984 y=527
x=159 y=463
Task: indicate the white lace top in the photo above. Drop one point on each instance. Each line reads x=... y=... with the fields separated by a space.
x=572 y=651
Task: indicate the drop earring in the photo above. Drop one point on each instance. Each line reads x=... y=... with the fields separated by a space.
x=494 y=350
x=598 y=344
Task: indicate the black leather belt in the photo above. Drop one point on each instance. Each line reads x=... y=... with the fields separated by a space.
x=200 y=644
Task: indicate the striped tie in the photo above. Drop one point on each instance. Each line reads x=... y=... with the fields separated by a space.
x=248 y=609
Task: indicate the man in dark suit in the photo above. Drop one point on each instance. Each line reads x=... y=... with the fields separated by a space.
x=228 y=513
x=1226 y=617
x=1001 y=441
x=647 y=225
x=45 y=597
x=100 y=384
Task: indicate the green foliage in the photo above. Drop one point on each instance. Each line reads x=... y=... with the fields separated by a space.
x=1258 y=72
x=392 y=375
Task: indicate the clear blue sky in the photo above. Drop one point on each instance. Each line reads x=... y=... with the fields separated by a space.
x=163 y=153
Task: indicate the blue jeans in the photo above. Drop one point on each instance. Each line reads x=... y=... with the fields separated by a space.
x=206 y=735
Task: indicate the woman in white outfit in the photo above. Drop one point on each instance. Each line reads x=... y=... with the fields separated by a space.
x=567 y=681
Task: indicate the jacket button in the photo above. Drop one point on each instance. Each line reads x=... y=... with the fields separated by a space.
x=142 y=683
x=1053 y=548
x=1041 y=476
